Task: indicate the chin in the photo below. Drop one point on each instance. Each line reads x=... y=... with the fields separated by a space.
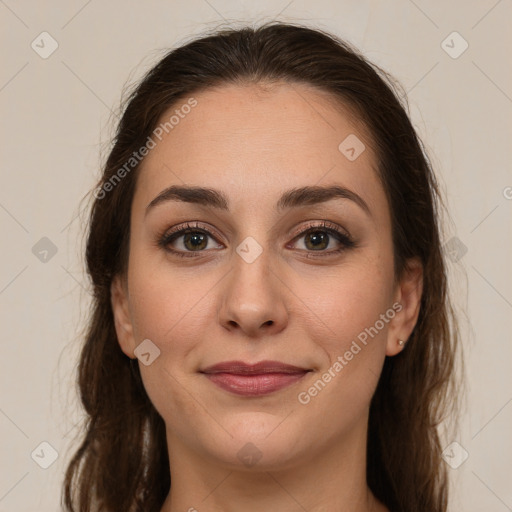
x=260 y=442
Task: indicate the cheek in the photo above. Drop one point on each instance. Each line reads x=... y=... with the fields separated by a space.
x=347 y=301
x=174 y=312
x=350 y=332
x=169 y=309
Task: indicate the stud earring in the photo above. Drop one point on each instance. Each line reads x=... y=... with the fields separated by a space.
x=401 y=343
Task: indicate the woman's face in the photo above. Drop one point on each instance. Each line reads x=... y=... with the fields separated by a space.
x=287 y=258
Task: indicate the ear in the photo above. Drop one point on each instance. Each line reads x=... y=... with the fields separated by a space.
x=408 y=294
x=122 y=318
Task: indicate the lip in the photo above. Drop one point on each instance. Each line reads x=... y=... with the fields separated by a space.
x=257 y=379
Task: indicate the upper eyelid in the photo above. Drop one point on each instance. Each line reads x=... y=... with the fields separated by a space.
x=328 y=226
x=323 y=224
x=178 y=230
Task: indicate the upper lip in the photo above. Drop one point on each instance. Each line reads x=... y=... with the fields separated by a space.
x=242 y=368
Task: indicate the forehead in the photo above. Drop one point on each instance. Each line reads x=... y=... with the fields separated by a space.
x=259 y=139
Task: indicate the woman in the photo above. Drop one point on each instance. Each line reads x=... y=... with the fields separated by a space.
x=271 y=328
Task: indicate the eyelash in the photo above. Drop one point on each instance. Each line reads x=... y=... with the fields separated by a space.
x=165 y=238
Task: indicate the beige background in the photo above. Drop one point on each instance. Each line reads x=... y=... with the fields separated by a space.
x=56 y=119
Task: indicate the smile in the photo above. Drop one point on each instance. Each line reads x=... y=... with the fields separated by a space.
x=254 y=380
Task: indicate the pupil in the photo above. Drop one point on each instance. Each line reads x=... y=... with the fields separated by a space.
x=195 y=241
x=317 y=240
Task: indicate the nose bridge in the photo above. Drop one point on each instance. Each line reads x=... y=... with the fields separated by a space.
x=252 y=300
x=251 y=278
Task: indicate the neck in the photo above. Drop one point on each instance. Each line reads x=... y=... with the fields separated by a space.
x=333 y=480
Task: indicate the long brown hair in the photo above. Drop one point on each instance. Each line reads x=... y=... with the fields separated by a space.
x=122 y=461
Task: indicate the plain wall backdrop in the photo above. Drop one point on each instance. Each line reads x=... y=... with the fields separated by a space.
x=56 y=104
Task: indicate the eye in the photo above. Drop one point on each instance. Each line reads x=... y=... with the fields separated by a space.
x=188 y=239
x=323 y=238
x=192 y=238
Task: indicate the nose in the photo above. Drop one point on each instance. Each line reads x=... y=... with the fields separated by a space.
x=252 y=300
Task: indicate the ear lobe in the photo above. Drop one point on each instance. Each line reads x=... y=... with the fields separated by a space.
x=122 y=318
x=408 y=294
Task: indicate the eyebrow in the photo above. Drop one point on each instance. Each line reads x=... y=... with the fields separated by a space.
x=303 y=196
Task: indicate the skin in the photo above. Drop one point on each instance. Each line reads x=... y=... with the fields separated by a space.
x=253 y=143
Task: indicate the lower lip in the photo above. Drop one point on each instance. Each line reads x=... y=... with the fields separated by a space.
x=254 y=385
